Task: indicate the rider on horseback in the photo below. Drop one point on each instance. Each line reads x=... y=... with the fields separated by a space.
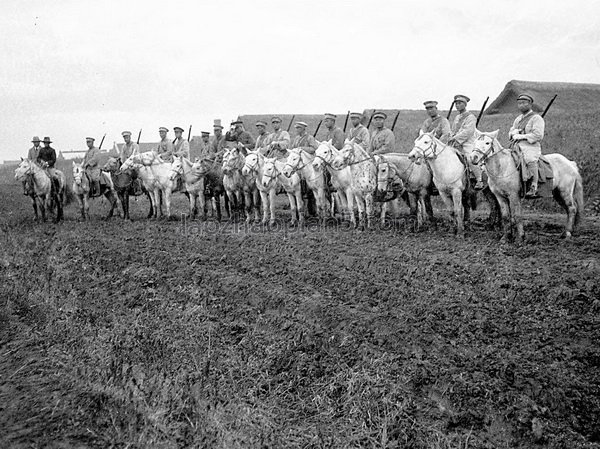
x=32 y=155
x=526 y=134
x=463 y=135
x=127 y=150
x=90 y=164
x=46 y=159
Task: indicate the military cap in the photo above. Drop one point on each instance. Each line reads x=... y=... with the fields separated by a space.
x=217 y=123
x=380 y=114
x=177 y=128
x=162 y=128
x=356 y=115
x=87 y=138
x=300 y=125
x=276 y=119
x=261 y=123
x=35 y=139
x=126 y=133
x=47 y=140
x=430 y=104
x=237 y=122
x=331 y=116
x=525 y=97
x=205 y=133
x=462 y=98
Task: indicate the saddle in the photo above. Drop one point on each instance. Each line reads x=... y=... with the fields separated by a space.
x=545 y=174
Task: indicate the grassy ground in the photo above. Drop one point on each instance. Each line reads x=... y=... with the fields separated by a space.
x=179 y=334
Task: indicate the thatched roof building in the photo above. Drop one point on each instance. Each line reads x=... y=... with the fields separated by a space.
x=570 y=96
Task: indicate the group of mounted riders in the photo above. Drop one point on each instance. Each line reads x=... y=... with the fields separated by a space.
x=526 y=135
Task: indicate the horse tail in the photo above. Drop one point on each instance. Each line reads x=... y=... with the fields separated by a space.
x=578 y=197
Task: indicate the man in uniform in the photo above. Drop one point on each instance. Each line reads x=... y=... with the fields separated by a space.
x=334 y=133
x=32 y=155
x=181 y=147
x=527 y=133
x=279 y=140
x=240 y=135
x=462 y=136
x=165 y=146
x=382 y=139
x=205 y=144
x=91 y=161
x=218 y=143
x=128 y=147
x=440 y=126
x=304 y=140
x=262 y=141
x=358 y=132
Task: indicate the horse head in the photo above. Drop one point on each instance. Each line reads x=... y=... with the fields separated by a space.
x=251 y=164
x=324 y=155
x=425 y=148
x=78 y=172
x=385 y=173
x=345 y=156
x=292 y=163
x=233 y=159
x=112 y=164
x=269 y=171
x=132 y=161
x=176 y=168
x=25 y=168
x=485 y=146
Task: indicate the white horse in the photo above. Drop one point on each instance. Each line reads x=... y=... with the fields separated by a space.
x=300 y=161
x=416 y=178
x=504 y=179
x=363 y=180
x=81 y=189
x=156 y=178
x=449 y=175
x=193 y=177
x=254 y=169
x=44 y=196
x=236 y=184
x=340 y=179
x=272 y=173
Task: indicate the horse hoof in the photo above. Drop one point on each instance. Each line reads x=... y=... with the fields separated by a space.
x=272 y=223
x=566 y=235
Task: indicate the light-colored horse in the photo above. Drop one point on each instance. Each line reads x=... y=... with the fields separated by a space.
x=254 y=168
x=81 y=189
x=273 y=173
x=236 y=184
x=156 y=178
x=504 y=179
x=450 y=176
x=193 y=177
x=416 y=178
x=363 y=180
x=300 y=161
x=340 y=179
x=44 y=196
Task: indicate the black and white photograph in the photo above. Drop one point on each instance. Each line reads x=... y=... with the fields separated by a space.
x=300 y=224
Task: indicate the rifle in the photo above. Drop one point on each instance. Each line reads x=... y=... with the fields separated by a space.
x=139 y=135
x=371 y=119
x=549 y=104
x=317 y=130
x=346 y=122
x=291 y=121
x=102 y=141
x=395 y=120
x=190 y=133
x=450 y=111
x=481 y=112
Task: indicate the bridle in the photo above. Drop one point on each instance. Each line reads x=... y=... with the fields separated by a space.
x=351 y=154
x=228 y=167
x=297 y=167
x=254 y=167
x=430 y=152
x=272 y=176
x=485 y=155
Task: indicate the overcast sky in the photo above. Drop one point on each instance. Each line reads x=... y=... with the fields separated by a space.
x=77 y=68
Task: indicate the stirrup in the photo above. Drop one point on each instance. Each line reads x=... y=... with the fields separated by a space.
x=531 y=193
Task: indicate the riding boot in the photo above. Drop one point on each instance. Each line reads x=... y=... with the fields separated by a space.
x=532 y=167
x=96 y=189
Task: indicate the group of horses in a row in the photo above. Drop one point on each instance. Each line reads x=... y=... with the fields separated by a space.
x=248 y=181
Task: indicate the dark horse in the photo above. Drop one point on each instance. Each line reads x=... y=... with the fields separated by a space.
x=212 y=171
x=126 y=184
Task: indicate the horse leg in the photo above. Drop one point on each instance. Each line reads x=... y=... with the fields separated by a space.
x=369 y=208
x=516 y=213
x=505 y=214
x=167 y=196
x=571 y=209
x=248 y=204
x=256 y=199
x=360 y=204
x=299 y=205
x=458 y=212
x=265 y=200
x=272 y=194
x=351 y=198
x=113 y=202
x=35 y=208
